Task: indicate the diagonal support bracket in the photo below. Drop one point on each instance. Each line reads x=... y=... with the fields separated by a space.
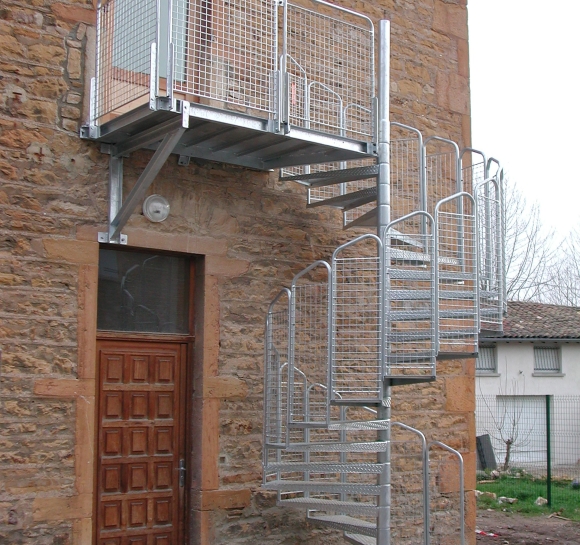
x=119 y=213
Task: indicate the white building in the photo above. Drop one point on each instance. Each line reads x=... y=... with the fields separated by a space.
x=529 y=371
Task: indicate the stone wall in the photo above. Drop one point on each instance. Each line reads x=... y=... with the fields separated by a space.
x=252 y=233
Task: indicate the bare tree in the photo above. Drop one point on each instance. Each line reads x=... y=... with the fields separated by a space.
x=509 y=423
x=564 y=273
x=528 y=248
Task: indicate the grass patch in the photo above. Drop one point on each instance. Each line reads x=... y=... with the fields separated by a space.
x=565 y=499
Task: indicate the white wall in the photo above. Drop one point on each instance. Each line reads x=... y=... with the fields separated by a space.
x=515 y=363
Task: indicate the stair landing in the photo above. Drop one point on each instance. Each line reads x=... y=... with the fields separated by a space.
x=229 y=137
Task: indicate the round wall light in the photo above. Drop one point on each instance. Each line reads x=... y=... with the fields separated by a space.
x=156 y=208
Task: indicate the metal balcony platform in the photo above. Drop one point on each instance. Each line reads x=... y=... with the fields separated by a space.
x=229 y=137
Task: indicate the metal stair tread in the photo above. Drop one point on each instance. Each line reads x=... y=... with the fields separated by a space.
x=323 y=487
x=331 y=177
x=366 y=220
x=359 y=539
x=375 y=446
x=327 y=467
x=421 y=315
x=359 y=425
x=330 y=505
x=349 y=200
x=417 y=357
x=344 y=522
x=408 y=255
x=450 y=276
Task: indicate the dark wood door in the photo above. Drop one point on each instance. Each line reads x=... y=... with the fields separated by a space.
x=140 y=442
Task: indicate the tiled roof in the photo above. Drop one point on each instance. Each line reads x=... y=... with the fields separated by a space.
x=538 y=320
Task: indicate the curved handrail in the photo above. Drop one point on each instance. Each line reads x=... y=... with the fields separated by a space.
x=425 y=463
x=461 y=485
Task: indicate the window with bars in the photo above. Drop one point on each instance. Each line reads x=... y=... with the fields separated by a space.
x=547 y=359
x=486 y=360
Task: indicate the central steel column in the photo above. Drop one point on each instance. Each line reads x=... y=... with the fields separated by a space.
x=383 y=219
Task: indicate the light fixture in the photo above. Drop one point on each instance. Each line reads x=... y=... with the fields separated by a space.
x=156 y=208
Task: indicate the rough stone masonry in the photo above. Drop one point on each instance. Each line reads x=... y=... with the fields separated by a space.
x=250 y=234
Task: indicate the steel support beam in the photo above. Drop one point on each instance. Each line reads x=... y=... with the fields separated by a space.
x=123 y=213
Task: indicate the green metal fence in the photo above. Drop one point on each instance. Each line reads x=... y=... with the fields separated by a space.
x=529 y=443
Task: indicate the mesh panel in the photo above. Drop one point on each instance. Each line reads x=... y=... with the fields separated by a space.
x=473 y=175
x=226 y=51
x=490 y=259
x=276 y=380
x=457 y=263
x=126 y=30
x=356 y=367
x=310 y=344
x=405 y=168
x=410 y=297
x=330 y=64
x=441 y=172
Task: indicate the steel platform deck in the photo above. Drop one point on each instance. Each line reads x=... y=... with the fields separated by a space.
x=224 y=136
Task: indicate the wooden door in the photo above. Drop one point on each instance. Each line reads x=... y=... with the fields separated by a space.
x=140 y=442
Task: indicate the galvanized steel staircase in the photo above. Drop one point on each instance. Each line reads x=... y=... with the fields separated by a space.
x=378 y=314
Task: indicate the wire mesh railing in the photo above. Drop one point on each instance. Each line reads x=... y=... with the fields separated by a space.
x=489 y=253
x=310 y=342
x=457 y=322
x=329 y=57
x=312 y=69
x=126 y=31
x=410 y=302
x=276 y=381
x=226 y=52
x=442 y=170
x=356 y=370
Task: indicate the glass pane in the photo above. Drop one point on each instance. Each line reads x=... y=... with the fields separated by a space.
x=141 y=291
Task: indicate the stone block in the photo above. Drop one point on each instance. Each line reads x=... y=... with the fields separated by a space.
x=74 y=14
x=73 y=65
x=47 y=509
x=72 y=251
x=224 y=387
x=450 y=19
x=210 y=500
x=224 y=266
x=460 y=394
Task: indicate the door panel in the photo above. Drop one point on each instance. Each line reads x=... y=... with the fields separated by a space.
x=140 y=442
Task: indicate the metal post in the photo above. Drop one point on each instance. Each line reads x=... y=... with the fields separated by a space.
x=115 y=189
x=383 y=220
x=548 y=451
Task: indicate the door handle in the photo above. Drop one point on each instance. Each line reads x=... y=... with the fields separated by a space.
x=182 y=473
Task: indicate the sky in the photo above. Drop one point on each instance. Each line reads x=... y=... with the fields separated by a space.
x=525 y=99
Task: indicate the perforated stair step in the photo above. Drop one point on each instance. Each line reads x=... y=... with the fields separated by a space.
x=333 y=506
x=332 y=177
x=344 y=522
x=348 y=201
x=375 y=446
x=326 y=467
x=360 y=425
x=359 y=539
x=421 y=315
x=315 y=487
